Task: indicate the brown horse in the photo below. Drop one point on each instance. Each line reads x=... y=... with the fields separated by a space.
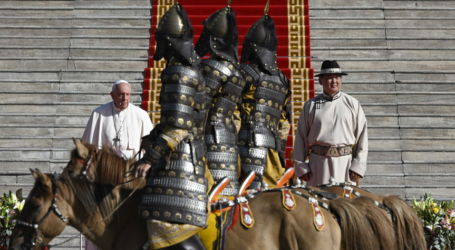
x=408 y=227
x=101 y=166
x=85 y=204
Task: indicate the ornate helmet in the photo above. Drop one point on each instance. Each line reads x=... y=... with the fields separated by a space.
x=261 y=43
x=220 y=36
x=174 y=35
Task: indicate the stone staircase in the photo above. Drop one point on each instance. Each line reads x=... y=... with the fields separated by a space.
x=400 y=56
x=58 y=60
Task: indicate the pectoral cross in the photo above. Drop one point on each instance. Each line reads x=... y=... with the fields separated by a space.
x=116 y=141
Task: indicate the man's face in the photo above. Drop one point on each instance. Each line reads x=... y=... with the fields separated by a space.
x=331 y=83
x=121 y=96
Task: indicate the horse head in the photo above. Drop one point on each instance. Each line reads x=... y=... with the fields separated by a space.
x=81 y=159
x=43 y=217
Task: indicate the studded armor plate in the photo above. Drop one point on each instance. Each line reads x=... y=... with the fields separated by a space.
x=259 y=131
x=176 y=191
x=224 y=90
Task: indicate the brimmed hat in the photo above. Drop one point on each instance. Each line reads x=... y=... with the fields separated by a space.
x=330 y=67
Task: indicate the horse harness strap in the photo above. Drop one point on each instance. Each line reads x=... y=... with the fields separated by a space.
x=53 y=208
x=86 y=166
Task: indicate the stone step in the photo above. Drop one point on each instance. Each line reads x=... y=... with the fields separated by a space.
x=419 y=12
x=419 y=4
x=76 y=52
x=324 y=22
x=385 y=53
x=47 y=98
x=387 y=22
x=69 y=74
x=51 y=86
x=68 y=40
x=75 y=30
x=73 y=63
x=387 y=65
x=53 y=108
x=401 y=86
x=348 y=41
x=58 y=4
x=76 y=11
x=76 y=21
x=417 y=33
x=346 y=32
x=427 y=132
x=342 y=11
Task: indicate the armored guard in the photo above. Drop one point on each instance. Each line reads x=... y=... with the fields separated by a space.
x=175 y=197
x=224 y=85
x=265 y=106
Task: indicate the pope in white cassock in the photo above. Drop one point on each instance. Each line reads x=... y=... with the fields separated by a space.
x=331 y=138
x=118 y=125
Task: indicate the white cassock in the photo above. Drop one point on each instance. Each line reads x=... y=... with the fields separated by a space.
x=338 y=122
x=106 y=122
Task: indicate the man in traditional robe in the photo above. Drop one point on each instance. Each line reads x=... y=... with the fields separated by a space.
x=118 y=124
x=331 y=138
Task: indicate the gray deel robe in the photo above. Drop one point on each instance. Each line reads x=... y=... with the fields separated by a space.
x=331 y=123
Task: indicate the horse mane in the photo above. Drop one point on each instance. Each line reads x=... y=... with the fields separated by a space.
x=93 y=197
x=408 y=227
x=115 y=169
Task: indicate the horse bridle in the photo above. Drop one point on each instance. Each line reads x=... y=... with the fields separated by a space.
x=53 y=208
x=85 y=167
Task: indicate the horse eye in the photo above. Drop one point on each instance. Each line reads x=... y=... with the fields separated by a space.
x=35 y=206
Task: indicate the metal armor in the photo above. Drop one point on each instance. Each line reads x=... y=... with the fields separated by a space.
x=177 y=191
x=224 y=86
x=260 y=124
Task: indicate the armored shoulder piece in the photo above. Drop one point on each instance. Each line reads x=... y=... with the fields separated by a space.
x=182 y=98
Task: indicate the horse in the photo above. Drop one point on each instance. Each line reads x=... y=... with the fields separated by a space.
x=101 y=166
x=407 y=225
x=55 y=202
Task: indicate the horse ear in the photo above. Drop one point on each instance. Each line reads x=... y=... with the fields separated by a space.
x=81 y=149
x=35 y=175
x=42 y=179
x=83 y=142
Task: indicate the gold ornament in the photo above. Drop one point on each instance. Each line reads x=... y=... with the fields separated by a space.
x=145 y=213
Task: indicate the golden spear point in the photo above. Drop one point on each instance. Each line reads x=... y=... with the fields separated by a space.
x=266 y=7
